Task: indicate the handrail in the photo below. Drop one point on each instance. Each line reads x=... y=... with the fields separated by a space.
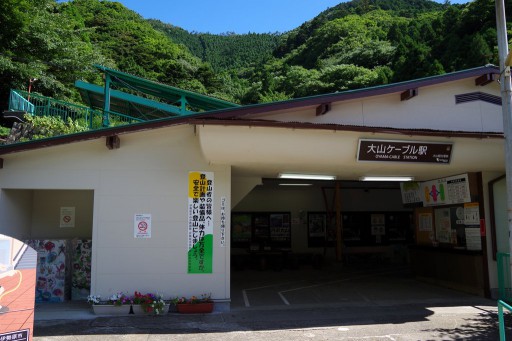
x=18 y=102
x=501 y=318
x=45 y=106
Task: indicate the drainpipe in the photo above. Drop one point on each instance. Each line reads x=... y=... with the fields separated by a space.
x=506 y=109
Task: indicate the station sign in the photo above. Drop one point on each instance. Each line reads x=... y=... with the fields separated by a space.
x=404 y=151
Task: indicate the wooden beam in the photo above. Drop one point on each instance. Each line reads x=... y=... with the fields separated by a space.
x=408 y=94
x=485 y=79
x=113 y=142
x=323 y=109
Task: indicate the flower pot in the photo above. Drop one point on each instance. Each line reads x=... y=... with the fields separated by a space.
x=194 y=308
x=109 y=309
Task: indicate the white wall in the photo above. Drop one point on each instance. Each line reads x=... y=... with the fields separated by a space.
x=15 y=213
x=433 y=108
x=46 y=214
x=148 y=174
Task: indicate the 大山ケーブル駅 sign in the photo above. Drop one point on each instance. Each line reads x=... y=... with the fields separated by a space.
x=200 y=222
x=404 y=151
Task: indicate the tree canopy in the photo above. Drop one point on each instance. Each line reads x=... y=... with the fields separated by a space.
x=355 y=44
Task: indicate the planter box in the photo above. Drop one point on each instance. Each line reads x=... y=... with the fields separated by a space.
x=108 y=309
x=194 y=308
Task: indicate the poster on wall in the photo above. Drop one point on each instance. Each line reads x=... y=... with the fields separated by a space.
x=241 y=229
x=471 y=213
x=443 y=225
x=425 y=222
x=473 y=239
x=17 y=289
x=51 y=269
x=280 y=231
x=223 y=222
x=446 y=191
x=200 y=222
x=81 y=265
x=411 y=192
x=67 y=217
x=142 y=226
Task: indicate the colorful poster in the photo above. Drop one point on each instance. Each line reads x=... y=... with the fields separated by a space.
x=200 y=222
x=471 y=214
x=446 y=191
x=51 y=269
x=142 y=226
x=81 y=277
x=17 y=289
x=411 y=192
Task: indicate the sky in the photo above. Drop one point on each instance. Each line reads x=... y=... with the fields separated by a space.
x=239 y=16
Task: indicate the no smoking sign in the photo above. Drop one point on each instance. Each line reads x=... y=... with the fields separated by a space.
x=142 y=226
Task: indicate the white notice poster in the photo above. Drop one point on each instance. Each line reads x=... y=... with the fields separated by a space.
x=142 y=226
x=67 y=217
x=473 y=239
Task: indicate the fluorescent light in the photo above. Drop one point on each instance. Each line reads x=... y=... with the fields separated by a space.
x=386 y=178
x=290 y=184
x=306 y=176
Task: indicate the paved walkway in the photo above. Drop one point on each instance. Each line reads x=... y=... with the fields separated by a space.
x=356 y=305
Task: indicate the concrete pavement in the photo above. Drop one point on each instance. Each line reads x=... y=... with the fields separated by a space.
x=388 y=304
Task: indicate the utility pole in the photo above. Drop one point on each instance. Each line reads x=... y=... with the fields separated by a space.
x=505 y=105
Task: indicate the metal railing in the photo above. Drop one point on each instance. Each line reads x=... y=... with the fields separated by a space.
x=504 y=289
x=38 y=105
x=19 y=103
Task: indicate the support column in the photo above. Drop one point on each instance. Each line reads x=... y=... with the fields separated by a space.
x=339 y=224
x=105 y=122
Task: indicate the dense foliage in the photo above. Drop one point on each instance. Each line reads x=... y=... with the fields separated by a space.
x=352 y=45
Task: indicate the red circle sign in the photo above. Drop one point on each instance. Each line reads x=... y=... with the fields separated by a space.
x=142 y=226
x=66 y=219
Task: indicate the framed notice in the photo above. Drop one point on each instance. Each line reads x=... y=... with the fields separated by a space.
x=142 y=226
x=67 y=217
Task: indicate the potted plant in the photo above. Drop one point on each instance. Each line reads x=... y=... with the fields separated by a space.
x=150 y=303
x=194 y=304
x=121 y=304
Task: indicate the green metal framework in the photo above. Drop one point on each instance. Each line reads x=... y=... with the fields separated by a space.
x=38 y=105
x=161 y=100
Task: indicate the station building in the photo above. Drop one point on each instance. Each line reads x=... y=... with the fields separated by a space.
x=173 y=204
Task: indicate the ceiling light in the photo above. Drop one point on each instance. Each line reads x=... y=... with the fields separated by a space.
x=306 y=176
x=386 y=178
x=290 y=184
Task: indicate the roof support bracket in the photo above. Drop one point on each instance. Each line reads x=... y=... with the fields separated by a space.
x=113 y=142
x=485 y=79
x=323 y=109
x=408 y=94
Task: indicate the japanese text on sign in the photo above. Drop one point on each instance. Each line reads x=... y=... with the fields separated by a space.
x=403 y=151
x=200 y=230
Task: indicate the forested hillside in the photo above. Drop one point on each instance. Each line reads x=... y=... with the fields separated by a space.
x=352 y=45
x=223 y=51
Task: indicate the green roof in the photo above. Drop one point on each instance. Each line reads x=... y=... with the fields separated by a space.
x=168 y=101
